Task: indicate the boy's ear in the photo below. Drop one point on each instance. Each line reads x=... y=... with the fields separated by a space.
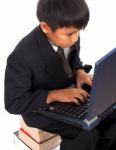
x=44 y=26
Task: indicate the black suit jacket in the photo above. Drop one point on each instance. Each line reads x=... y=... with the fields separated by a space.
x=34 y=68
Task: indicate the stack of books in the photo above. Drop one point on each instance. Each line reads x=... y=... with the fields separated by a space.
x=35 y=139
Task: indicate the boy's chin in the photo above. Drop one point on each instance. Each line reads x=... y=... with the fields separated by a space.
x=67 y=46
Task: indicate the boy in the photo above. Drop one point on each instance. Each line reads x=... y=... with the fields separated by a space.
x=36 y=76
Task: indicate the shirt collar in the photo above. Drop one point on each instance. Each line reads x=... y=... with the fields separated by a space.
x=54 y=46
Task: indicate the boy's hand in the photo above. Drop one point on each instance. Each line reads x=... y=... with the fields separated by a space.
x=83 y=77
x=67 y=95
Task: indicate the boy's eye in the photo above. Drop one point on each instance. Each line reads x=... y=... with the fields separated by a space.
x=69 y=34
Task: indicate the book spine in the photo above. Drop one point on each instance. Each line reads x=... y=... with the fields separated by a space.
x=19 y=143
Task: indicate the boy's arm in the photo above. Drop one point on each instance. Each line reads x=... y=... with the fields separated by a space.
x=83 y=77
x=20 y=98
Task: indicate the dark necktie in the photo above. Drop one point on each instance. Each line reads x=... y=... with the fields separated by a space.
x=66 y=65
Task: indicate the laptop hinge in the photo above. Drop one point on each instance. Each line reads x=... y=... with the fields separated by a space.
x=109 y=111
x=114 y=106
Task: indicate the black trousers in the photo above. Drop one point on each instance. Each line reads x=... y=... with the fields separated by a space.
x=102 y=137
x=107 y=133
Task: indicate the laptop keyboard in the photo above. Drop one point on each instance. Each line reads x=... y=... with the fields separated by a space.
x=70 y=109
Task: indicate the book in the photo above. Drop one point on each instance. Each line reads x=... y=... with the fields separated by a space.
x=37 y=134
x=34 y=145
x=18 y=143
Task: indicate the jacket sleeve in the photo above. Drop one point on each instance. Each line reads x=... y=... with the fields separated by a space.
x=20 y=98
x=79 y=64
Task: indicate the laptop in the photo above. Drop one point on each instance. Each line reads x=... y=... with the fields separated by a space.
x=100 y=104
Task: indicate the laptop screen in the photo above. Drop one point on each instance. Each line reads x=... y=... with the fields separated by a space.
x=103 y=92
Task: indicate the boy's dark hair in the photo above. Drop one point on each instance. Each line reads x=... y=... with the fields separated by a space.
x=63 y=13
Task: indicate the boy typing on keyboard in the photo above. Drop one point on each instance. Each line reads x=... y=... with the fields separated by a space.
x=42 y=67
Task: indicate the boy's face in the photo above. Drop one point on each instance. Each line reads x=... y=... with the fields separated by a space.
x=62 y=37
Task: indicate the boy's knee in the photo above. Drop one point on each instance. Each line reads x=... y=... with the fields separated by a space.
x=91 y=135
x=88 y=139
x=76 y=134
x=84 y=140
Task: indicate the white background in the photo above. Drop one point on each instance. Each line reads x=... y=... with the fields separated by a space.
x=17 y=18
